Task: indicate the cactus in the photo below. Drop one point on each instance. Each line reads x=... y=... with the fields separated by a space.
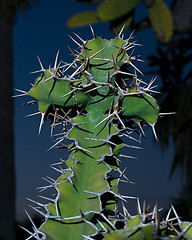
x=100 y=101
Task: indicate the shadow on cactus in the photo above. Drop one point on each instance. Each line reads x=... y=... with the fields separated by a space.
x=98 y=103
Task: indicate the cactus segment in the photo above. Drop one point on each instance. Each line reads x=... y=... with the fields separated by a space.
x=98 y=74
x=93 y=107
x=146 y=226
x=146 y=109
x=50 y=90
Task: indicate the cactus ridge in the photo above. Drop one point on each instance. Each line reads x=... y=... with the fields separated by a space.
x=93 y=107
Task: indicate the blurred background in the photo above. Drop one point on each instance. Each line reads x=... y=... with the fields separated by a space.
x=162 y=171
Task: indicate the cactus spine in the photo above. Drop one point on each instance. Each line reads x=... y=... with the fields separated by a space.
x=97 y=104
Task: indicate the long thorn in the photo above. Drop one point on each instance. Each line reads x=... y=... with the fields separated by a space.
x=93 y=32
x=80 y=38
x=41 y=122
x=56 y=59
x=33 y=114
x=121 y=31
x=41 y=65
x=78 y=44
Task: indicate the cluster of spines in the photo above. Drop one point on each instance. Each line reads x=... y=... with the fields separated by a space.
x=42 y=208
x=170 y=228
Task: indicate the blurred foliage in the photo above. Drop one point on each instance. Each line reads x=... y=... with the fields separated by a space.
x=183 y=204
x=122 y=12
x=8 y=13
x=161 y=20
x=10 y=7
x=174 y=63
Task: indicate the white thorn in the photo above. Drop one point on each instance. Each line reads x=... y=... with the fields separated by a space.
x=32 y=114
x=162 y=114
x=103 y=227
x=135 y=67
x=176 y=215
x=127 y=156
x=93 y=89
x=55 y=144
x=41 y=65
x=139 y=206
x=154 y=132
x=151 y=82
x=121 y=31
x=80 y=38
x=23 y=93
x=19 y=90
x=31 y=220
x=57 y=55
x=20 y=95
x=104 y=120
x=78 y=44
x=86 y=237
x=41 y=122
x=93 y=32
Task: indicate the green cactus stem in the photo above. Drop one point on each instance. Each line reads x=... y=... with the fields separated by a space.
x=97 y=104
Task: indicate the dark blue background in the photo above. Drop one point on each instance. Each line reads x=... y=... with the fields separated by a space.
x=41 y=30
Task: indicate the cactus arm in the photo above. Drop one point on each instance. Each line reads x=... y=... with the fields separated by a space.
x=146 y=108
x=48 y=90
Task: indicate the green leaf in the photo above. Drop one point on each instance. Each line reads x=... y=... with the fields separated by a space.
x=108 y=10
x=149 y=3
x=82 y=19
x=161 y=20
x=111 y=9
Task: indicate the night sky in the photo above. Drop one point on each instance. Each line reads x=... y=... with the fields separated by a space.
x=41 y=30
